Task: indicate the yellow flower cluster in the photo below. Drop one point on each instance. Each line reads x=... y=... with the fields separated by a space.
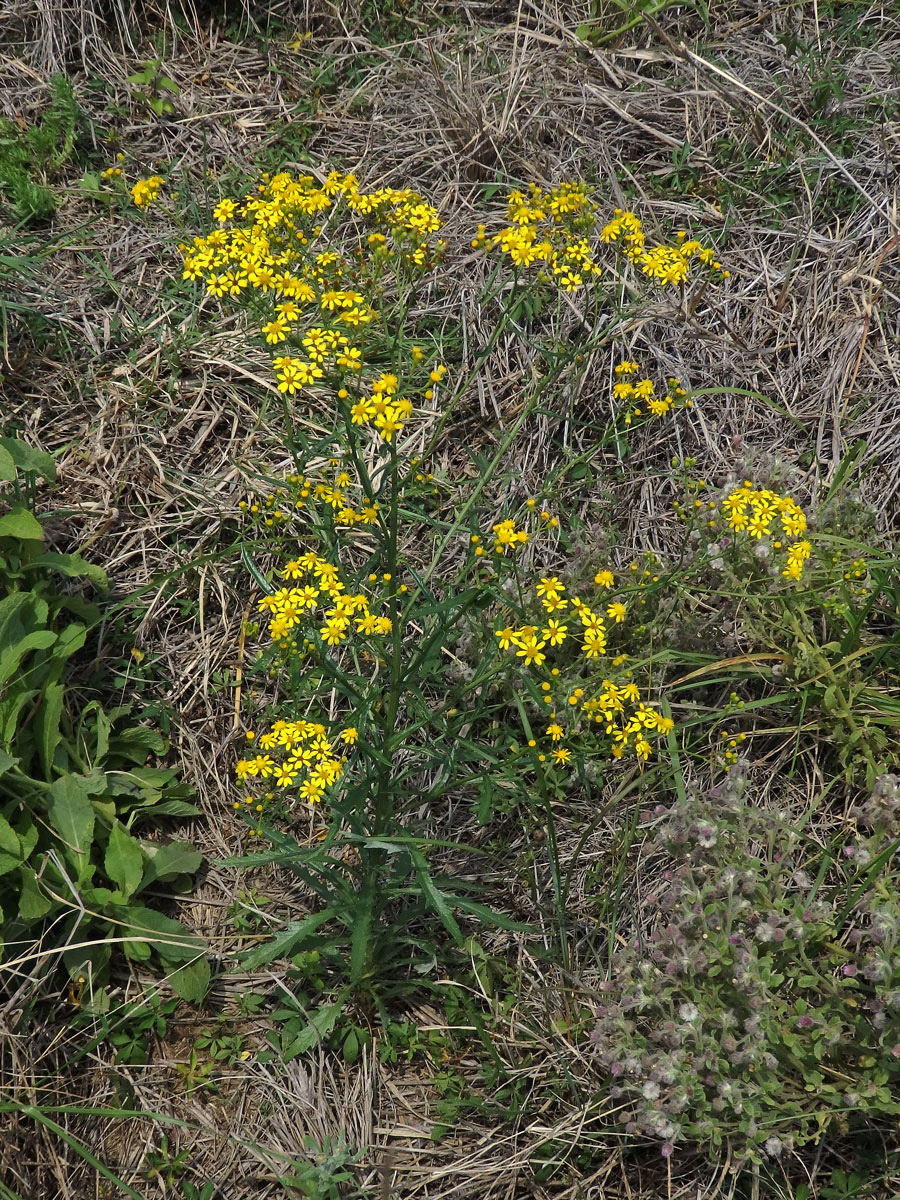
x=318 y=592
x=315 y=311
x=626 y=721
x=304 y=754
x=145 y=191
x=644 y=393
x=507 y=537
x=667 y=264
x=549 y=229
x=753 y=511
x=530 y=640
x=341 y=499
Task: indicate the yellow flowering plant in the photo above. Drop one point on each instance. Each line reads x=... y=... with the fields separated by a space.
x=371 y=730
x=804 y=615
x=553 y=242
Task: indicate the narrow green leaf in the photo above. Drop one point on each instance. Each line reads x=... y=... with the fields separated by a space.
x=434 y=895
x=11 y=657
x=46 y=725
x=284 y=944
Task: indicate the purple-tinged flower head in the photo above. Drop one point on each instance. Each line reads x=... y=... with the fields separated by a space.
x=804 y=1022
x=849 y=969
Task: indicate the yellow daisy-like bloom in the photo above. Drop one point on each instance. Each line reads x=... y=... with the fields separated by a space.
x=550 y=587
x=506 y=637
x=554 y=603
x=604 y=579
x=617 y=612
x=555 y=633
x=275 y=331
x=530 y=650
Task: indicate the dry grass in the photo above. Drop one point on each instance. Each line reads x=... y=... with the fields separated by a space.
x=154 y=412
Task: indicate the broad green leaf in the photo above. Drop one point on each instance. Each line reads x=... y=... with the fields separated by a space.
x=18 y=615
x=46 y=725
x=33 y=904
x=6 y=761
x=7 y=465
x=191 y=981
x=136 y=743
x=20 y=523
x=11 y=657
x=124 y=861
x=69 y=641
x=169 y=938
x=10 y=848
x=27 y=833
x=72 y=565
x=71 y=813
x=164 y=862
x=90 y=961
x=27 y=458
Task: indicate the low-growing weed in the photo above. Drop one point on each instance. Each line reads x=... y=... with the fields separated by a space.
x=30 y=156
x=79 y=793
x=761 y=1009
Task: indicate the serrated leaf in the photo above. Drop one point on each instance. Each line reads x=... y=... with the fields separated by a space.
x=434 y=894
x=124 y=860
x=319 y=1027
x=71 y=813
x=283 y=944
x=21 y=523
